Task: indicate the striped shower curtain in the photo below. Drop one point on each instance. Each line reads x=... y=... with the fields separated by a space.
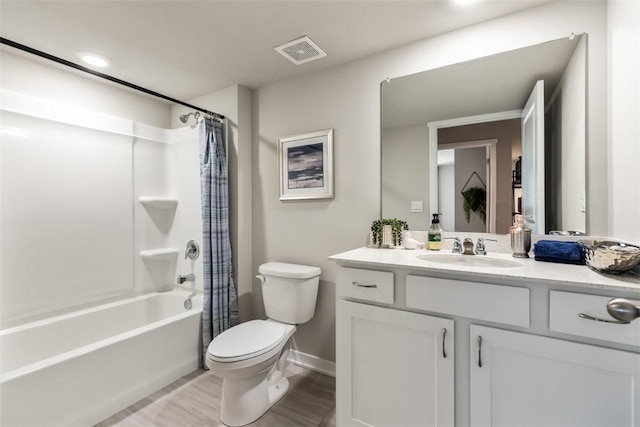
x=220 y=310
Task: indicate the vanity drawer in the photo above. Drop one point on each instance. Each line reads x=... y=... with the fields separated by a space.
x=368 y=285
x=494 y=303
x=564 y=308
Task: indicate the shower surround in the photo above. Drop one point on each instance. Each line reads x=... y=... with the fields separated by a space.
x=84 y=224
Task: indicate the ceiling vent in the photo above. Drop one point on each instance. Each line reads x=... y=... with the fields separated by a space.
x=300 y=50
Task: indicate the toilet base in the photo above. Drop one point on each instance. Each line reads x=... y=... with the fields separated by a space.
x=243 y=404
x=277 y=391
x=250 y=387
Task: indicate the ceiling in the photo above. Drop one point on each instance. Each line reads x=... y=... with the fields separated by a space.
x=185 y=49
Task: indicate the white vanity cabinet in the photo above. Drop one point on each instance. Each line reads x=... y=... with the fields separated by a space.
x=395 y=367
x=549 y=355
x=520 y=379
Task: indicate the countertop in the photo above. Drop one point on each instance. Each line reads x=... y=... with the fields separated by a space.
x=530 y=271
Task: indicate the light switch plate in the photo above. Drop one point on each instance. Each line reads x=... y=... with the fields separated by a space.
x=417 y=206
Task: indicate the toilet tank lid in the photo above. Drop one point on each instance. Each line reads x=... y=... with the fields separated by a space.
x=293 y=271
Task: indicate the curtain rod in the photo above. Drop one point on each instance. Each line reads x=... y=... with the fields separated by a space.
x=104 y=76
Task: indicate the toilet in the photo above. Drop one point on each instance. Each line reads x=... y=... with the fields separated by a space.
x=251 y=357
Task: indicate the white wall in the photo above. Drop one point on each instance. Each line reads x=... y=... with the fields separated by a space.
x=347 y=99
x=624 y=119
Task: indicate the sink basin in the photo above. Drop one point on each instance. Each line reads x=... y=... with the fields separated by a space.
x=470 y=260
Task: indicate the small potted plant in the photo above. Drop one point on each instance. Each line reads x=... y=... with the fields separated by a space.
x=398 y=227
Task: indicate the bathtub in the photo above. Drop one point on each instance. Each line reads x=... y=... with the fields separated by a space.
x=79 y=368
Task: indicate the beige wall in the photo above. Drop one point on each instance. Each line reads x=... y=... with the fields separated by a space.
x=347 y=99
x=565 y=157
x=506 y=132
x=405 y=168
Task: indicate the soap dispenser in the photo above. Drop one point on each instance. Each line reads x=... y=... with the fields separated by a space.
x=434 y=236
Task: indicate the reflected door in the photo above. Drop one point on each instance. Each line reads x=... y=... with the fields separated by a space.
x=533 y=160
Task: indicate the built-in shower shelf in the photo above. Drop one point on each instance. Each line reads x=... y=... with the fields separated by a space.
x=159 y=202
x=159 y=254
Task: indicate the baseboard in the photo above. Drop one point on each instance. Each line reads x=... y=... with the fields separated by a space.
x=312 y=363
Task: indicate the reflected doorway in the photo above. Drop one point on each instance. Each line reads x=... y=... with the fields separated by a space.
x=467 y=188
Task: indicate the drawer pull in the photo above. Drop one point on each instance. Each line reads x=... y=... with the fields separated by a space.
x=444 y=337
x=360 y=285
x=623 y=309
x=479 y=351
x=597 y=319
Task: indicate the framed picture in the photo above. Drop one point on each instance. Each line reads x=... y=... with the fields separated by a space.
x=305 y=163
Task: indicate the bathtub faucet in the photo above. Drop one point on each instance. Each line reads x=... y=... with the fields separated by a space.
x=186 y=278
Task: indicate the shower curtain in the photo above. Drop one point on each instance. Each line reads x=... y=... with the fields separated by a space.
x=220 y=310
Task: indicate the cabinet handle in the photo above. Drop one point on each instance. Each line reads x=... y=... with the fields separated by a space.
x=622 y=309
x=360 y=285
x=597 y=319
x=444 y=337
x=479 y=351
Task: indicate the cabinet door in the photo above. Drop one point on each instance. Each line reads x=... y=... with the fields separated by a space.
x=526 y=380
x=394 y=368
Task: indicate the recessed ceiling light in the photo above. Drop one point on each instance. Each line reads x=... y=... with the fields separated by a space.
x=94 y=59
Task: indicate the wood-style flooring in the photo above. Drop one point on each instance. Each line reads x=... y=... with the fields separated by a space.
x=194 y=400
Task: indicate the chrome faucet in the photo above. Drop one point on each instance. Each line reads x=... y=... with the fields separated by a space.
x=467 y=246
x=186 y=278
x=457 y=245
x=480 y=248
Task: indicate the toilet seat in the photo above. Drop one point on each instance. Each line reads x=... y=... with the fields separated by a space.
x=246 y=341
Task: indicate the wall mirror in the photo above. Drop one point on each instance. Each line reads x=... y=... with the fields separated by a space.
x=483 y=140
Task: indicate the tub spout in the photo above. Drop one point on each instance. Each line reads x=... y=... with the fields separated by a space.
x=186 y=278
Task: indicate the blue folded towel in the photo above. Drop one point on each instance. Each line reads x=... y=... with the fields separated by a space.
x=558 y=251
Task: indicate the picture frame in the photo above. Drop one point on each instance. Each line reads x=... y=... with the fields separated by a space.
x=305 y=166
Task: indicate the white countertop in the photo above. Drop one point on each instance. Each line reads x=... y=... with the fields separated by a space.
x=531 y=271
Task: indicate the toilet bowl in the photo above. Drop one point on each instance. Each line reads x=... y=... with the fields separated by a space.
x=251 y=357
x=245 y=357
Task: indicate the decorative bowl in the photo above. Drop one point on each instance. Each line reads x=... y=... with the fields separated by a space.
x=610 y=257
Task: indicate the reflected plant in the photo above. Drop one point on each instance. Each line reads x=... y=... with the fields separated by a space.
x=475 y=200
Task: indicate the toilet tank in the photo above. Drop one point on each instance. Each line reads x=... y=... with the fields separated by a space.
x=289 y=291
